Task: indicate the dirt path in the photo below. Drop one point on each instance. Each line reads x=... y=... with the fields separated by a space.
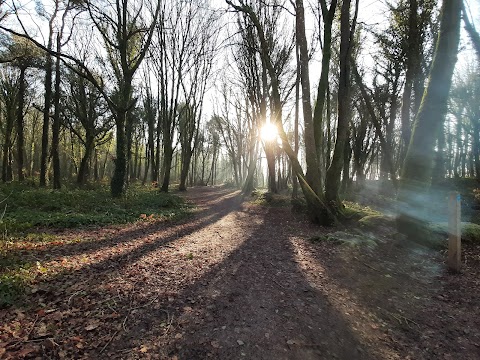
x=240 y=281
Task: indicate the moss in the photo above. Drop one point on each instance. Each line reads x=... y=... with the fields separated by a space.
x=470 y=231
x=356 y=211
x=375 y=221
x=266 y=198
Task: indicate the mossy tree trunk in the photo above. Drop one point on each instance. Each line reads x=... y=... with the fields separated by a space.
x=417 y=170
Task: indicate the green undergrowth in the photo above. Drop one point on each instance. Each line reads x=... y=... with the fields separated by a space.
x=266 y=198
x=27 y=207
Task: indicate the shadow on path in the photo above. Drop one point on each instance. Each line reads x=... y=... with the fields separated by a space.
x=256 y=304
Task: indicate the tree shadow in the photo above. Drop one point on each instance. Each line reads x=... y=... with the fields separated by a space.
x=252 y=300
x=114 y=236
x=388 y=286
x=256 y=304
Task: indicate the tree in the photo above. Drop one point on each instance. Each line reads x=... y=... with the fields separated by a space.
x=88 y=117
x=417 y=169
x=472 y=32
x=318 y=210
x=332 y=181
x=328 y=15
x=21 y=54
x=126 y=29
x=9 y=98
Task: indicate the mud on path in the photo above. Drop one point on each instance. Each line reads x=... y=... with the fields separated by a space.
x=242 y=281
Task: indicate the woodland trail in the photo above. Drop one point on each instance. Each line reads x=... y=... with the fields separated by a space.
x=235 y=281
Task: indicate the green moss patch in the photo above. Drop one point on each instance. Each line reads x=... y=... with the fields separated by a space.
x=356 y=211
x=375 y=221
x=470 y=231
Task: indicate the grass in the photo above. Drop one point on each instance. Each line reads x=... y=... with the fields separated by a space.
x=28 y=209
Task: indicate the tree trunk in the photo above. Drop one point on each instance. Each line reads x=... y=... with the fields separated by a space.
x=83 y=170
x=332 y=183
x=417 y=169
x=7 y=172
x=46 y=120
x=56 y=124
x=476 y=147
x=167 y=164
x=186 y=159
x=413 y=68
x=474 y=36
x=322 y=93
x=20 y=131
x=313 y=175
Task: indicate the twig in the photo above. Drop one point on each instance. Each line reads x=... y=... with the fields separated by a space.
x=370 y=266
x=71 y=296
x=399 y=318
x=367 y=265
x=29 y=333
x=109 y=341
x=129 y=311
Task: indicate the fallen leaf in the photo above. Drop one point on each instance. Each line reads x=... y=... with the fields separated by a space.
x=26 y=351
x=42 y=330
x=91 y=326
x=143 y=349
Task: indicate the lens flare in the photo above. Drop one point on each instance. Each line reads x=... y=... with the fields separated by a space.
x=269 y=132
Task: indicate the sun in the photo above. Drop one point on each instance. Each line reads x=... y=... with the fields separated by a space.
x=268 y=132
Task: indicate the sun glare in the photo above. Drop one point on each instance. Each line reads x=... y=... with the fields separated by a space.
x=269 y=132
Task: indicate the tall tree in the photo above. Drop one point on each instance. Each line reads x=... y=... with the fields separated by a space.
x=347 y=30
x=22 y=54
x=87 y=116
x=126 y=28
x=9 y=98
x=318 y=210
x=417 y=169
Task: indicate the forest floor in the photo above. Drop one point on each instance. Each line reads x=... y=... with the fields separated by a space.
x=239 y=280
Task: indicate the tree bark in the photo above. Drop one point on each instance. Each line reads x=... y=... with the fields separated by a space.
x=313 y=175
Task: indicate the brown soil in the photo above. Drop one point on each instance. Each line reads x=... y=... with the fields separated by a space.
x=242 y=281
